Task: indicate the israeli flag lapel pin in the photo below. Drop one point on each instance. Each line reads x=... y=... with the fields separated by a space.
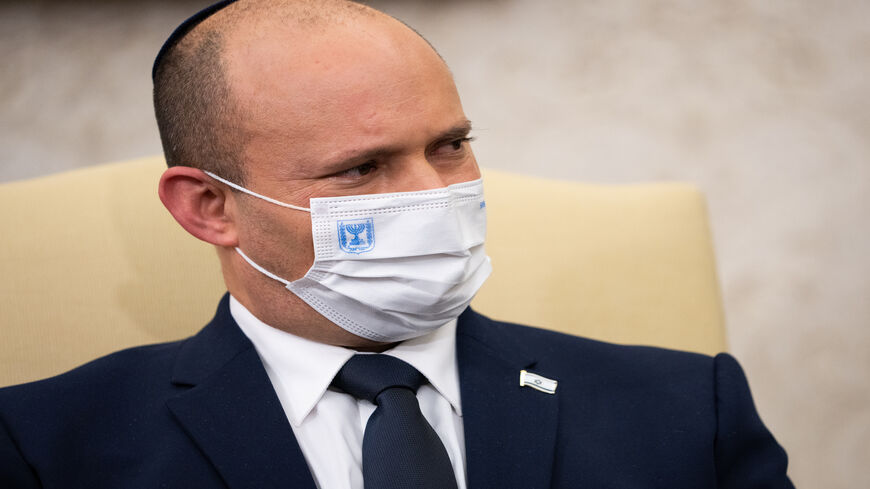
x=537 y=382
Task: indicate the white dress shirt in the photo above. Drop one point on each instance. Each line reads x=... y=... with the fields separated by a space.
x=329 y=424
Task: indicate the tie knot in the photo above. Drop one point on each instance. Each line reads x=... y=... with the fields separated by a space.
x=366 y=376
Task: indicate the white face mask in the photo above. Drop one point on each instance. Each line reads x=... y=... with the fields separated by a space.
x=389 y=267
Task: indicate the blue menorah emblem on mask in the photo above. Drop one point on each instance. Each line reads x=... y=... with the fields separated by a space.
x=357 y=235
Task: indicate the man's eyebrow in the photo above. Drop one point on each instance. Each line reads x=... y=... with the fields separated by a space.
x=458 y=131
x=357 y=157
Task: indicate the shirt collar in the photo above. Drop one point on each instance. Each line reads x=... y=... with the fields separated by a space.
x=434 y=355
x=301 y=370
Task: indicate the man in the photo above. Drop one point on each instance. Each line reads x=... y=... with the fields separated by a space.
x=321 y=146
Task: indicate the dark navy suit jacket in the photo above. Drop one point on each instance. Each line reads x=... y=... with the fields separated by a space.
x=201 y=413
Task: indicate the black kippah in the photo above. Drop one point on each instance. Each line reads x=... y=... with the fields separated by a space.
x=184 y=28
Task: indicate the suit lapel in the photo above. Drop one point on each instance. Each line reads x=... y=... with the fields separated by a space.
x=510 y=431
x=232 y=412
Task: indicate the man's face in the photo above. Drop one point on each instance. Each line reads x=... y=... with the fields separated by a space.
x=367 y=108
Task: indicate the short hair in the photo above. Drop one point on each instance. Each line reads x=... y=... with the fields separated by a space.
x=196 y=113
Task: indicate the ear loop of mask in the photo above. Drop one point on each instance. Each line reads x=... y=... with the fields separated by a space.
x=255 y=194
x=261 y=269
x=267 y=199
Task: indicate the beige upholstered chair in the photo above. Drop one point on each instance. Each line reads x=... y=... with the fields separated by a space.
x=91 y=263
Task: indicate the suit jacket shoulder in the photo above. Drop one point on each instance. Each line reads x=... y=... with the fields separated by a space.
x=125 y=420
x=627 y=415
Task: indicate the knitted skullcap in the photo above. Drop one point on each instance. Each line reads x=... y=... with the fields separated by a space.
x=184 y=28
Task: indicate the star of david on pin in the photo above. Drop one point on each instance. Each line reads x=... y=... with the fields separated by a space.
x=538 y=382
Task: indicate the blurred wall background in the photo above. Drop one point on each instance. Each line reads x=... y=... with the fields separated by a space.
x=765 y=104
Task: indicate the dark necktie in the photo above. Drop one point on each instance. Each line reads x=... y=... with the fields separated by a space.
x=400 y=448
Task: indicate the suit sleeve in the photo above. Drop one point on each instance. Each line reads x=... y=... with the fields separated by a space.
x=747 y=455
x=15 y=472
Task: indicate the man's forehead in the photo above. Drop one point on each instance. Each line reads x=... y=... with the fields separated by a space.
x=270 y=62
x=226 y=16
x=310 y=41
x=270 y=17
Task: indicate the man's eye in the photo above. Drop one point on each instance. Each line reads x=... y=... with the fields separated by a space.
x=452 y=146
x=359 y=170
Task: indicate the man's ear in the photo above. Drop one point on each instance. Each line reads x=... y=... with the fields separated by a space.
x=198 y=204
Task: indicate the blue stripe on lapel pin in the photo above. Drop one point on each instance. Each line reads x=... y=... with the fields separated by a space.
x=537 y=382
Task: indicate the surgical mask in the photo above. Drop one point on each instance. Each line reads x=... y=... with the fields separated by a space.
x=389 y=267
